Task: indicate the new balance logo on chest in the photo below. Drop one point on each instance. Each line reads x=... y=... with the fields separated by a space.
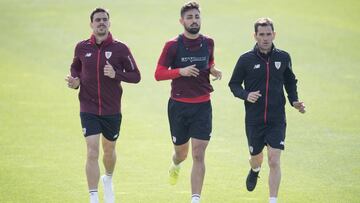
x=257 y=66
x=88 y=55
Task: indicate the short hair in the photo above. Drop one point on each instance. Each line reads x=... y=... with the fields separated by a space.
x=98 y=10
x=263 y=22
x=189 y=6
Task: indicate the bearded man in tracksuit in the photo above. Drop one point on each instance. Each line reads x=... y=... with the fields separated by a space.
x=187 y=60
x=100 y=64
x=265 y=71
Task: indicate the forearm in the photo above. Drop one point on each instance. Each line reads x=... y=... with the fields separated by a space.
x=163 y=73
x=129 y=77
x=238 y=90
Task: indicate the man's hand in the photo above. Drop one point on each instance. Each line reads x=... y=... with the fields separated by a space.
x=189 y=71
x=299 y=106
x=253 y=96
x=72 y=82
x=216 y=73
x=109 y=70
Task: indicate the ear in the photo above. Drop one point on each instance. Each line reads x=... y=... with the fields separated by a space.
x=109 y=24
x=274 y=35
x=255 y=35
x=181 y=21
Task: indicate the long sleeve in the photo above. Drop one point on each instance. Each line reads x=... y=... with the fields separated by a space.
x=290 y=82
x=237 y=79
x=164 y=73
x=129 y=71
x=75 y=69
x=211 y=46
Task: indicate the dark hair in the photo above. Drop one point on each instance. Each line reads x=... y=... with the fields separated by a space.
x=189 y=6
x=98 y=10
x=263 y=22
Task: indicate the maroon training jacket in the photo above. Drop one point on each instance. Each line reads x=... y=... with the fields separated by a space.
x=100 y=94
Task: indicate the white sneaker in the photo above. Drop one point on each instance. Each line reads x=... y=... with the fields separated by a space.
x=108 y=189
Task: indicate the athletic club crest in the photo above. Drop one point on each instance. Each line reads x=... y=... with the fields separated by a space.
x=108 y=54
x=278 y=64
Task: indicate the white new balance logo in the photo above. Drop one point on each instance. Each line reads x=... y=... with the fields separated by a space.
x=87 y=54
x=257 y=66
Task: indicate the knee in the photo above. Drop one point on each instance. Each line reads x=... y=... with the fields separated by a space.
x=198 y=156
x=93 y=154
x=274 y=162
x=109 y=152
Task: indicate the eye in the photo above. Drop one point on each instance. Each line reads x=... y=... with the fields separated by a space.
x=97 y=19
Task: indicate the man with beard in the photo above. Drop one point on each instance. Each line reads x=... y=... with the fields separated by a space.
x=265 y=71
x=100 y=64
x=187 y=60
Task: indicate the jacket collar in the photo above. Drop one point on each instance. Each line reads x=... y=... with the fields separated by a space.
x=257 y=51
x=107 y=41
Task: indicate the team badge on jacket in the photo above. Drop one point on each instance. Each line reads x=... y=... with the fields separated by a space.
x=108 y=54
x=278 y=64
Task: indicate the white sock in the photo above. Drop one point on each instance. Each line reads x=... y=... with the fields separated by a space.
x=94 y=197
x=176 y=166
x=256 y=169
x=195 y=198
x=272 y=200
x=109 y=196
x=108 y=177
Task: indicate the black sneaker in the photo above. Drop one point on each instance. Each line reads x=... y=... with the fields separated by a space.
x=251 y=180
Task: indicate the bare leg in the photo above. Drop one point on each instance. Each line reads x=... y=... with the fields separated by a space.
x=275 y=171
x=180 y=153
x=92 y=164
x=198 y=168
x=256 y=160
x=109 y=158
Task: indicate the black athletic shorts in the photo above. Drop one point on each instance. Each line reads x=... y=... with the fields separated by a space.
x=108 y=125
x=260 y=135
x=189 y=120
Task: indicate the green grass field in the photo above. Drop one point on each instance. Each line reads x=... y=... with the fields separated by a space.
x=42 y=150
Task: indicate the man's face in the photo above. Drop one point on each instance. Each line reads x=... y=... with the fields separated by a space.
x=264 y=37
x=191 y=21
x=100 y=24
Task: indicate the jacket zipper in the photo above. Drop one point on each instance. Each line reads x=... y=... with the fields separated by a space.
x=267 y=89
x=98 y=79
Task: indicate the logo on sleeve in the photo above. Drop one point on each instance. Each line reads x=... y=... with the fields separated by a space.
x=257 y=66
x=277 y=64
x=108 y=54
x=87 y=55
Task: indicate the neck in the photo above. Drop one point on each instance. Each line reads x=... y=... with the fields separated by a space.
x=264 y=51
x=100 y=39
x=191 y=36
